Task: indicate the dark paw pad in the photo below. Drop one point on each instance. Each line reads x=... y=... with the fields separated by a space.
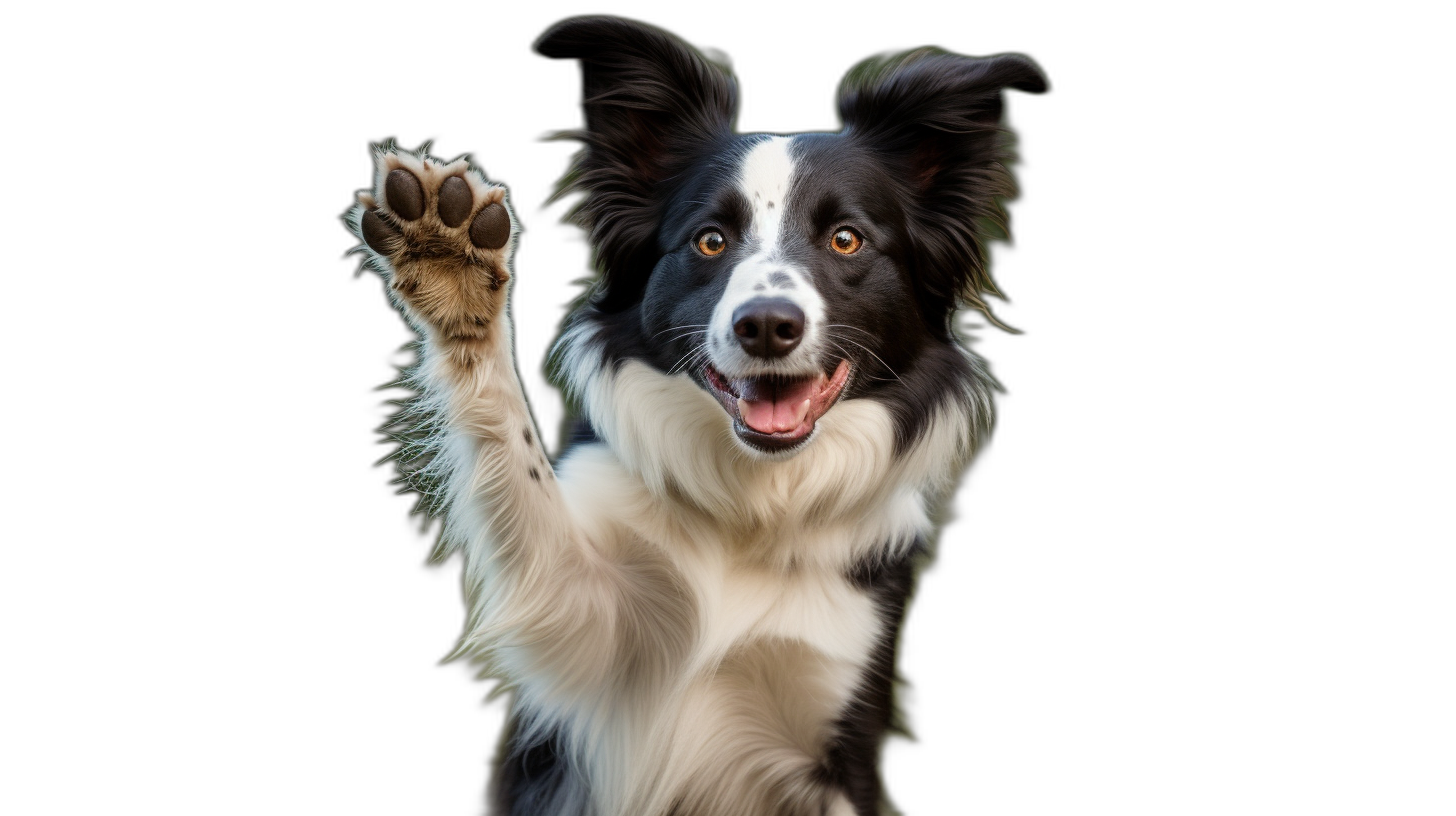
x=491 y=227
x=404 y=194
x=378 y=233
x=455 y=201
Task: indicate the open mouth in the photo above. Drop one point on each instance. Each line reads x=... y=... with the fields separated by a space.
x=776 y=412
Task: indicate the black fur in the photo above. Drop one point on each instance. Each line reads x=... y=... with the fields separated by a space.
x=654 y=106
x=934 y=118
x=853 y=757
x=532 y=776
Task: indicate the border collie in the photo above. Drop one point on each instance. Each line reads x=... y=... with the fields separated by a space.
x=695 y=607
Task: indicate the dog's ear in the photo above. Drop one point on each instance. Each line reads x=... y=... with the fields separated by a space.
x=935 y=118
x=652 y=104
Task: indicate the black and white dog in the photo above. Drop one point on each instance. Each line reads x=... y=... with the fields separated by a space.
x=696 y=607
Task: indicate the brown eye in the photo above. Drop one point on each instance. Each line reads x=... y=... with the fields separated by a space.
x=711 y=242
x=846 y=242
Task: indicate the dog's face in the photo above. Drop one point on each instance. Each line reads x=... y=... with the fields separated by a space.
x=780 y=279
x=784 y=274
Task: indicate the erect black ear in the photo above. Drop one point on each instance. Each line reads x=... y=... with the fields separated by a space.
x=652 y=103
x=935 y=118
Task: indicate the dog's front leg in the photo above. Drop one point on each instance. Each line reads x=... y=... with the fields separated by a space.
x=546 y=602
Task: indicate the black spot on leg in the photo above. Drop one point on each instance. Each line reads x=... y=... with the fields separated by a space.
x=535 y=474
x=527 y=433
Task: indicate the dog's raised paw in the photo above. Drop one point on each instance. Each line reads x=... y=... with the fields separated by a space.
x=489 y=229
x=441 y=235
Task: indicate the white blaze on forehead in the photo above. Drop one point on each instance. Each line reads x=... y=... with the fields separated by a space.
x=764 y=180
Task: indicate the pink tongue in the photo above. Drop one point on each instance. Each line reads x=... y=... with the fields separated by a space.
x=776 y=408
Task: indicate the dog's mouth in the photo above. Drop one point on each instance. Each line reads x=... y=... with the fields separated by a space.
x=777 y=412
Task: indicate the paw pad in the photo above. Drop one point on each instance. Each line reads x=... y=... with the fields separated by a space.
x=455 y=201
x=405 y=194
x=491 y=227
x=378 y=233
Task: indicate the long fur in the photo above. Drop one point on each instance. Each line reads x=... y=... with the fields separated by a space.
x=696 y=614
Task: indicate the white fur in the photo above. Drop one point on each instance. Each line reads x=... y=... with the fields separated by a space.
x=764 y=179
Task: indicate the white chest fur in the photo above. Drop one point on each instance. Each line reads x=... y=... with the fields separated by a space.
x=773 y=637
x=776 y=655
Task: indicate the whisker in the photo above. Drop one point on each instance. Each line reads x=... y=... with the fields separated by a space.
x=869 y=352
x=683 y=326
x=830 y=339
x=689 y=353
x=702 y=356
x=690 y=358
x=851 y=328
x=688 y=364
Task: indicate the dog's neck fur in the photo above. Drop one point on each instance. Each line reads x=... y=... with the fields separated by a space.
x=847 y=496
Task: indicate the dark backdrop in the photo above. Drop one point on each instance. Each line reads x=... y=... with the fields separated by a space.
x=1049 y=656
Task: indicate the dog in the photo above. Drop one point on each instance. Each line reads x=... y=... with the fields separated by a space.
x=695 y=607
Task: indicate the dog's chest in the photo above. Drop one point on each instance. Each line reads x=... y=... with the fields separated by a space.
x=822 y=612
x=779 y=646
x=778 y=661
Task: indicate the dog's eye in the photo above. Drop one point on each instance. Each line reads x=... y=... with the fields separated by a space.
x=711 y=243
x=846 y=242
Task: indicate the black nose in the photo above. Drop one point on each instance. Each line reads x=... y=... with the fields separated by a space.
x=768 y=327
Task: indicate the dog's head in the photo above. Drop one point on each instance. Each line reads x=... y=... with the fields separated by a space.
x=783 y=274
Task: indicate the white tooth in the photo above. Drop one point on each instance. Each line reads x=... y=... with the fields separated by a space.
x=802 y=412
x=742 y=408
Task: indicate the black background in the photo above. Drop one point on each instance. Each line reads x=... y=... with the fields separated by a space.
x=1053 y=653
